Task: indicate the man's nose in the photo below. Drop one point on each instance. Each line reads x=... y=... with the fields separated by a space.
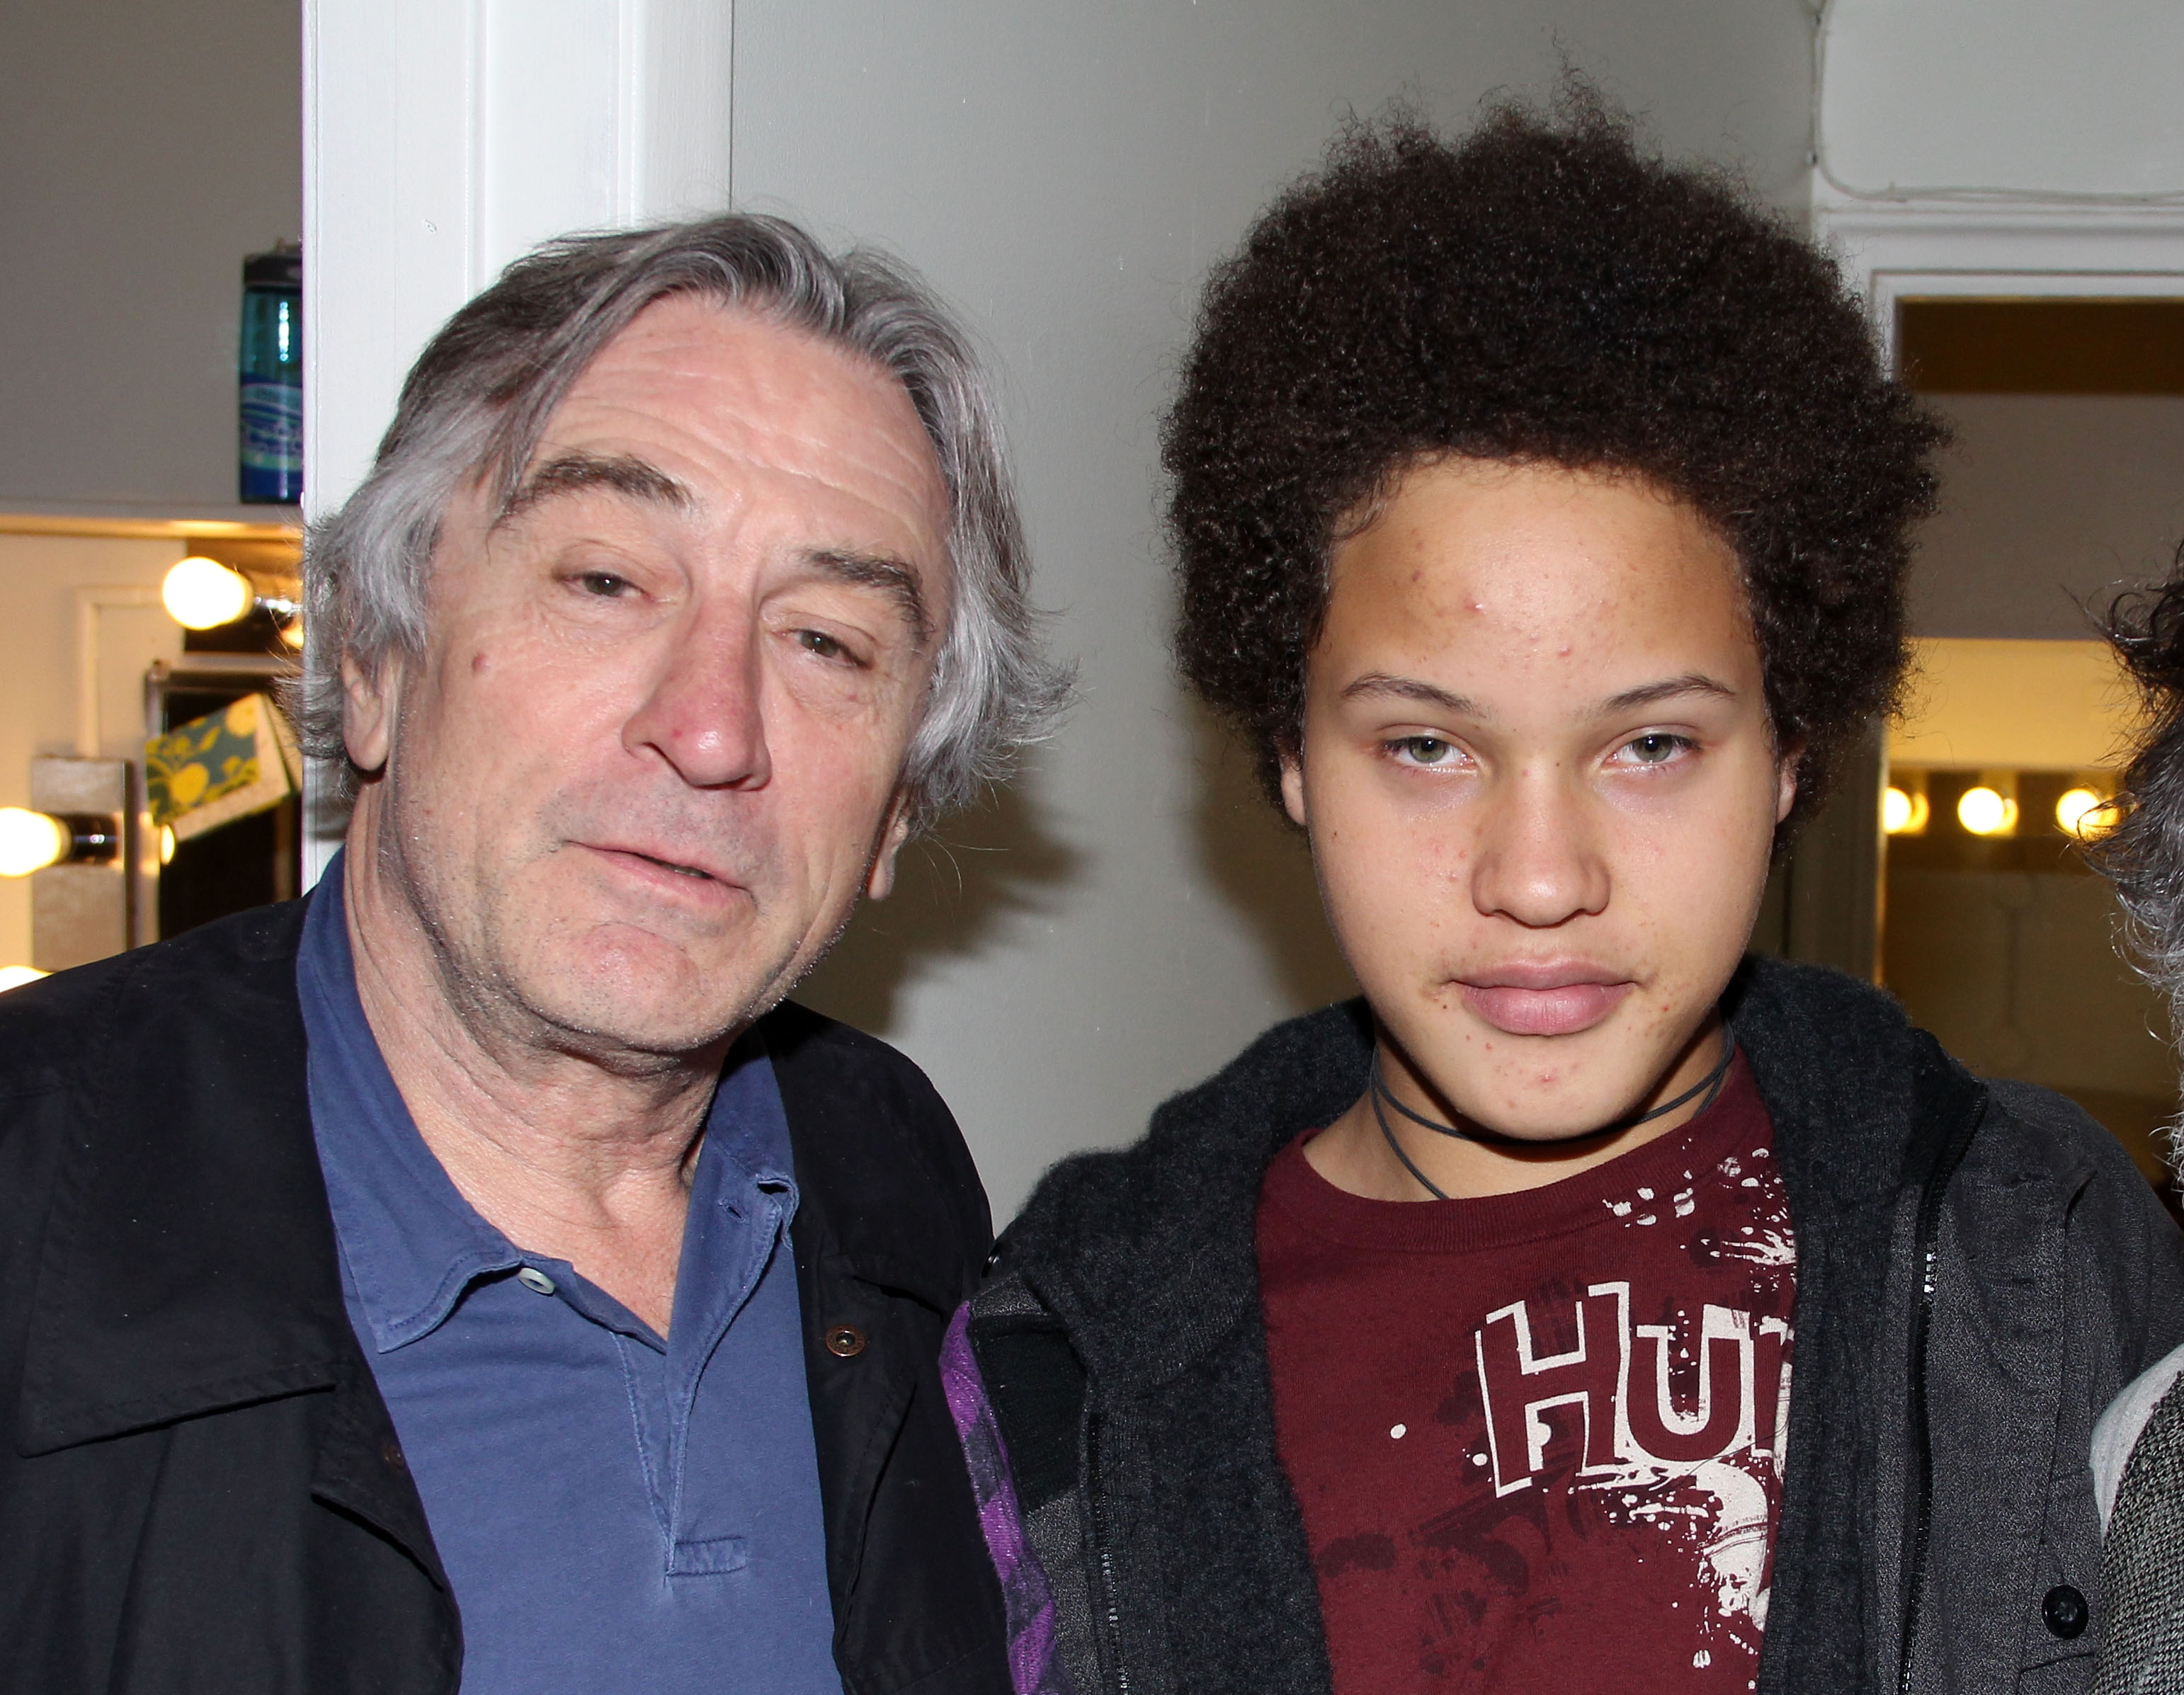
x=1539 y=861
x=704 y=714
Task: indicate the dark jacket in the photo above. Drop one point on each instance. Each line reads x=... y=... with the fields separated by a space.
x=1980 y=1269
x=201 y=1490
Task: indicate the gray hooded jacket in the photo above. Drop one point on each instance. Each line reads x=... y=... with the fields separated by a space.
x=1980 y=1269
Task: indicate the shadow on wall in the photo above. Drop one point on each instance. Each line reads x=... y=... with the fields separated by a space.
x=953 y=889
x=1263 y=864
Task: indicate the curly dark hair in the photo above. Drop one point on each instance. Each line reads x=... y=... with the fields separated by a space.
x=1541 y=292
x=2144 y=855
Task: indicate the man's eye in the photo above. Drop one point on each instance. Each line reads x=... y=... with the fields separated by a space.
x=820 y=642
x=1423 y=750
x=604 y=584
x=1657 y=749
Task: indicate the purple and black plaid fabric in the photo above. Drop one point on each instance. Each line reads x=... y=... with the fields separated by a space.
x=1034 y=1667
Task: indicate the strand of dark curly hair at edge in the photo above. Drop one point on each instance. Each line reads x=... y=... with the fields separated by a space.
x=2143 y=855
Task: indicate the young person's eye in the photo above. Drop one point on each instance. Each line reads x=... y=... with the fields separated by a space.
x=1655 y=748
x=1423 y=750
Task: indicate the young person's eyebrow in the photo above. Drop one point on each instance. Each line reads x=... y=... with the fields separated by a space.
x=573 y=472
x=879 y=571
x=1652 y=694
x=1410 y=688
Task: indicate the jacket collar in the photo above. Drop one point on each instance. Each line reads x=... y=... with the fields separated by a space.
x=188 y=1262
x=870 y=1203
x=1837 y=1064
x=1157 y=1242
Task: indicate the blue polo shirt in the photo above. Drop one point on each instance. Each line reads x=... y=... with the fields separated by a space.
x=616 y=1511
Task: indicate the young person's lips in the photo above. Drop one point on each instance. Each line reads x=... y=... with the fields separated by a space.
x=1549 y=1009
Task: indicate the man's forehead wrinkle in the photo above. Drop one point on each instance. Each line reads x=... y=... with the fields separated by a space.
x=771 y=432
x=785 y=389
x=575 y=472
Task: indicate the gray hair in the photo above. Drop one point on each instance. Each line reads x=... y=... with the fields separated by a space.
x=476 y=404
x=2143 y=856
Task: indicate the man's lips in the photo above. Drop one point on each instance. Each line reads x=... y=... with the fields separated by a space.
x=1543 y=1000
x=649 y=863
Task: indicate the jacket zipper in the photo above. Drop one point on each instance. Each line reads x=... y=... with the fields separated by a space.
x=1110 y=1607
x=1926 y=1255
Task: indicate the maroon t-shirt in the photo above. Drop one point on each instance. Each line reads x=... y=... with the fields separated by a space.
x=1537 y=1437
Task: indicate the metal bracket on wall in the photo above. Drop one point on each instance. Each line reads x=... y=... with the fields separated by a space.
x=80 y=912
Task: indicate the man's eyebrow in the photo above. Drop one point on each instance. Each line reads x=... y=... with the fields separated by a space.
x=1652 y=694
x=879 y=571
x=1410 y=688
x=574 y=473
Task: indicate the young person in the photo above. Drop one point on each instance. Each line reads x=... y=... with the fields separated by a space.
x=1581 y=1308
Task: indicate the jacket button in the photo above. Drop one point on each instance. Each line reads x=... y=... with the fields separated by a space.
x=2066 y=1611
x=391 y=1452
x=847 y=1342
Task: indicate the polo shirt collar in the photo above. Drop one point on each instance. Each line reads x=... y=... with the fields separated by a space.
x=410 y=1243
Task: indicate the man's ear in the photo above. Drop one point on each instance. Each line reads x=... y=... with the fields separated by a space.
x=1293 y=787
x=368 y=710
x=1785 y=779
x=879 y=881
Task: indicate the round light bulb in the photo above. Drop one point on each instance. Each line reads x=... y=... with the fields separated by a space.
x=31 y=841
x=166 y=844
x=2084 y=814
x=1985 y=813
x=203 y=594
x=15 y=976
x=1902 y=813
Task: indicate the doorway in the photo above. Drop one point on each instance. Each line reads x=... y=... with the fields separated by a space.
x=2064 y=484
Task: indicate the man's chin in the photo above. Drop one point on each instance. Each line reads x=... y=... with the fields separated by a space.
x=654 y=1000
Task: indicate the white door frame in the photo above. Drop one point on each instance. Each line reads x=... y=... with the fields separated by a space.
x=442 y=138
x=1891 y=251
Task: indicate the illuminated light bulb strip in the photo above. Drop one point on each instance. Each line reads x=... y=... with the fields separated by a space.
x=203 y=594
x=1903 y=812
x=2083 y=813
x=1985 y=812
x=31 y=841
x=15 y=976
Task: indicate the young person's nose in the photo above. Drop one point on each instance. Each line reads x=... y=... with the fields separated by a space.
x=703 y=712
x=1536 y=861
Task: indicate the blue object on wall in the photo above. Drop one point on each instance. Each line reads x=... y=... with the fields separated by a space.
x=270 y=362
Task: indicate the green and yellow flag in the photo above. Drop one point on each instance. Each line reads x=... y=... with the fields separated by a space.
x=222 y=767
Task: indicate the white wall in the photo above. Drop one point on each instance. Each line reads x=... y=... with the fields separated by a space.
x=1123 y=922
x=443 y=138
x=2020 y=96
x=145 y=148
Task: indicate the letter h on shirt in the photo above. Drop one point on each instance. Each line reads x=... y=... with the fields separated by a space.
x=1736 y=1401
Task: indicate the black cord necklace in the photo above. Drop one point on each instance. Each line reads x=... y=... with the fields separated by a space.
x=1710 y=1086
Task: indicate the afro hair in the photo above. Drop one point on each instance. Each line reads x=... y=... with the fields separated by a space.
x=1541 y=292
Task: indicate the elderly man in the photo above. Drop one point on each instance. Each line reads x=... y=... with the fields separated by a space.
x=476 y=1275
x=2138 y=1445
